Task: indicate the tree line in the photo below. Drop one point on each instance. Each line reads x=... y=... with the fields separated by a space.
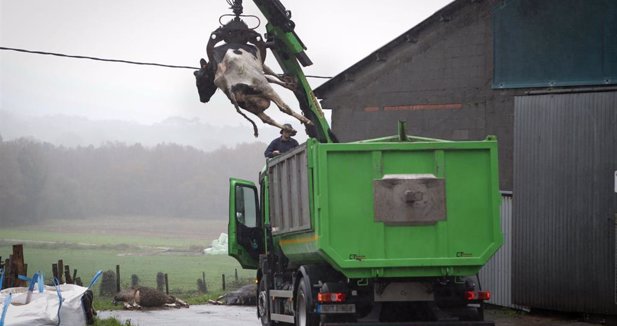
x=41 y=181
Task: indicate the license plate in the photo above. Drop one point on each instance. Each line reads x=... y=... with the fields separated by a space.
x=336 y=308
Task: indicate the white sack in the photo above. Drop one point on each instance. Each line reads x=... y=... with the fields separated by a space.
x=43 y=307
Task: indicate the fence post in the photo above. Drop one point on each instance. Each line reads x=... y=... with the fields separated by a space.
x=60 y=271
x=54 y=270
x=223 y=281
x=236 y=274
x=160 y=281
x=203 y=278
x=134 y=280
x=67 y=274
x=166 y=284
x=7 y=274
x=117 y=278
x=18 y=260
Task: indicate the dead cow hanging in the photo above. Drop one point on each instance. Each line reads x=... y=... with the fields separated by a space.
x=237 y=68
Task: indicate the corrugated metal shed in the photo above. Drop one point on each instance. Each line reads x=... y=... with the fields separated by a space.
x=496 y=276
x=565 y=158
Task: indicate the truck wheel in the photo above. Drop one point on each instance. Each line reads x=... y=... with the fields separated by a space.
x=262 y=302
x=304 y=317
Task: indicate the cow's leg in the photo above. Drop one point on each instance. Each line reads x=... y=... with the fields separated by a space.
x=182 y=303
x=266 y=119
x=274 y=78
x=268 y=70
x=234 y=101
x=285 y=108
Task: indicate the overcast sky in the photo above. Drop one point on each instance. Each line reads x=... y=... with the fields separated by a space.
x=337 y=34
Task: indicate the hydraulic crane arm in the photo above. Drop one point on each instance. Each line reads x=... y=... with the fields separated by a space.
x=288 y=50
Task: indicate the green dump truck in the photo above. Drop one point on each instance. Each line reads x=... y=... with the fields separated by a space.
x=384 y=230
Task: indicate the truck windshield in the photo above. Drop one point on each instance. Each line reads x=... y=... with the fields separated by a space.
x=246 y=208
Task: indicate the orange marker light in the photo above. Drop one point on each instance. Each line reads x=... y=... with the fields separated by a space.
x=331 y=297
x=323 y=297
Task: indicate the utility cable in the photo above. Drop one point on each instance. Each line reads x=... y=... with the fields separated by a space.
x=114 y=60
x=97 y=59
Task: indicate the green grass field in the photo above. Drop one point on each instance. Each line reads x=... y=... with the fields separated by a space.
x=140 y=245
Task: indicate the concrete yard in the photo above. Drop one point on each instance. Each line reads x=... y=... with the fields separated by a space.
x=213 y=315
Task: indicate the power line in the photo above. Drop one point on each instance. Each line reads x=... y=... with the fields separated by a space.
x=114 y=60
x=97 y=59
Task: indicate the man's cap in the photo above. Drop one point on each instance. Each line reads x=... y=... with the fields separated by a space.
x=287 y=126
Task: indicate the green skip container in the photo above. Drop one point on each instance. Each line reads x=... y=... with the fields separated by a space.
x=388 y=207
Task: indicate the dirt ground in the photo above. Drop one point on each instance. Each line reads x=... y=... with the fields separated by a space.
x=213 y=315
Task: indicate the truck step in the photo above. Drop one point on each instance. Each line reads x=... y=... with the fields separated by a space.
x=283 y=318
x=281 y=294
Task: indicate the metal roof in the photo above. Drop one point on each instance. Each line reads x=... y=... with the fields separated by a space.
x=410 y=36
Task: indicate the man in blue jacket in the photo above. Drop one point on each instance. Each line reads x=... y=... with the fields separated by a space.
x=282 y=144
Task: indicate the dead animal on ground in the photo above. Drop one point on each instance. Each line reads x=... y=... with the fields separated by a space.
x=136 y=298
x=244 y=296
x=238 y=69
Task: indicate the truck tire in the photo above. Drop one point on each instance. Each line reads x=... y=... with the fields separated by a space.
x=262 y=303
x=304 y=300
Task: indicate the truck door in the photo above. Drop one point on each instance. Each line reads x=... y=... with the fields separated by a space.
x=245 y=229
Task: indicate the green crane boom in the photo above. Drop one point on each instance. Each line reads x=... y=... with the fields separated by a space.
x=288 y=50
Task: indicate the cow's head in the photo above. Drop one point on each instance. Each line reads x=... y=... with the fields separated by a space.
x=205 y=81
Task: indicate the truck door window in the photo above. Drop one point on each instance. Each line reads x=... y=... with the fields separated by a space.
x=246 y=206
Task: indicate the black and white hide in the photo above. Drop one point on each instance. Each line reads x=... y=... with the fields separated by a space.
x=238 y=70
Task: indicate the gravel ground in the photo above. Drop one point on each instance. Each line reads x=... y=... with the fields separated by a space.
x=213 y=315
x=506 y=317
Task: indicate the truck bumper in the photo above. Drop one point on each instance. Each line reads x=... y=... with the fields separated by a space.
x=431 y=323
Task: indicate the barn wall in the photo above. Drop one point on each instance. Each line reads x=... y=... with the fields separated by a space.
x=439 y=82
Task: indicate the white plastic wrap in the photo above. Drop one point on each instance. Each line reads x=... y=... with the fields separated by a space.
x=218 y=247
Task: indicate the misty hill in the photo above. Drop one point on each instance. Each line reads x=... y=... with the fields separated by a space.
x=40 y=181
x=72 y=131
